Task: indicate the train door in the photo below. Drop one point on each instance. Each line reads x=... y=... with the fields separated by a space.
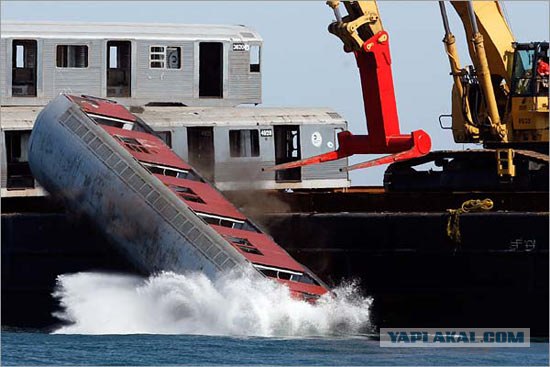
x=24 y=68
x=200 y=145
x=211 y=69
x=119 y=68
x=287 y=149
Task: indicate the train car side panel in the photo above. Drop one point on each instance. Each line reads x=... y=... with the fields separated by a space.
x=5 y=67
x=75 y=65
x=318 y=140
x=244 y=77
x=164 y=71
x=241 y=153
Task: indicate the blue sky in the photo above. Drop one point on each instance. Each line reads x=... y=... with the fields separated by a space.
x=303 y=65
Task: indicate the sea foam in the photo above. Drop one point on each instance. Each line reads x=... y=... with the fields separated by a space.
x=169 y=303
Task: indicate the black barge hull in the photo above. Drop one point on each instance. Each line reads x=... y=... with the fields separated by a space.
x=496 y=276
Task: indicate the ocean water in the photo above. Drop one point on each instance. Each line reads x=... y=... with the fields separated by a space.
x=174 y=319
x=23 y=348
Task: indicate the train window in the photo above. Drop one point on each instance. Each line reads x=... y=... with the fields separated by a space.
x=285 y=274
x=72 y=56
x=217 y=220
x=304 y=278
x=186 y=194
x=19 y=56
x=247 y=226
x=173 y=57
x=166 y=137
x=111 y=121
x=172 y=172
x=244 y=143
x=163 y=57
x=154 y=169
x=156 y=57
x=228 y=222
x=113 y=57
x=244 y=245
x=134 y=145
x=255 y=58
x=269 y=273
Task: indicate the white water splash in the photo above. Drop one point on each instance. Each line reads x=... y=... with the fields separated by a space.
x=169 y=303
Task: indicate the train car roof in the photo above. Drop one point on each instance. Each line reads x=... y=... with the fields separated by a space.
x=231 y=116
x=129 y=31
x=18 y=118
x=22 y=117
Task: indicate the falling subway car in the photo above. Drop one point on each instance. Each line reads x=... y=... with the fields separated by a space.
x=106 y=163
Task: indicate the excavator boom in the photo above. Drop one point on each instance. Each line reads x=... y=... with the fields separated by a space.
x=497 y=36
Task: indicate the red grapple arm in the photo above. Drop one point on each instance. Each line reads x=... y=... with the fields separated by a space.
x=384 y=137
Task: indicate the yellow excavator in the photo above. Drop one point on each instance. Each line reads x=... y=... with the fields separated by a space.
x=501 y=101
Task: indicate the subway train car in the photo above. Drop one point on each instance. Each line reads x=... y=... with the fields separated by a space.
x=134 y=64
x=232 y=145
x=153 y=206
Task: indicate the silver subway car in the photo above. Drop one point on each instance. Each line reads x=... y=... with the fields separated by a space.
x=231 y=145
x=134 y=64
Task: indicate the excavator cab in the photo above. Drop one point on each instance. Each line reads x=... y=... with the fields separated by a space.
x=530 y=70
x=530 y=92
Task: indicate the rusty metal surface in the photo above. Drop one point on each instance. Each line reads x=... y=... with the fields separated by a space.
x=539 y=157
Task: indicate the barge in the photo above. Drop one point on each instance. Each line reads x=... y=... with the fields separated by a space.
x=393 y=239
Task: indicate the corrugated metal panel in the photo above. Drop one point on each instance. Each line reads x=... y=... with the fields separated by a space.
x=164 y=85
x=5 y=67
x=179 y=142
x=245 y=171
x=18 y=118
x=325 y=171
x=3 y=162
x=73 y=80
x=242 y=82
x=229 y=168
x=327 y=133
x=229 y=116
x=221 y=142
x=325 y=139
x=48 y=68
